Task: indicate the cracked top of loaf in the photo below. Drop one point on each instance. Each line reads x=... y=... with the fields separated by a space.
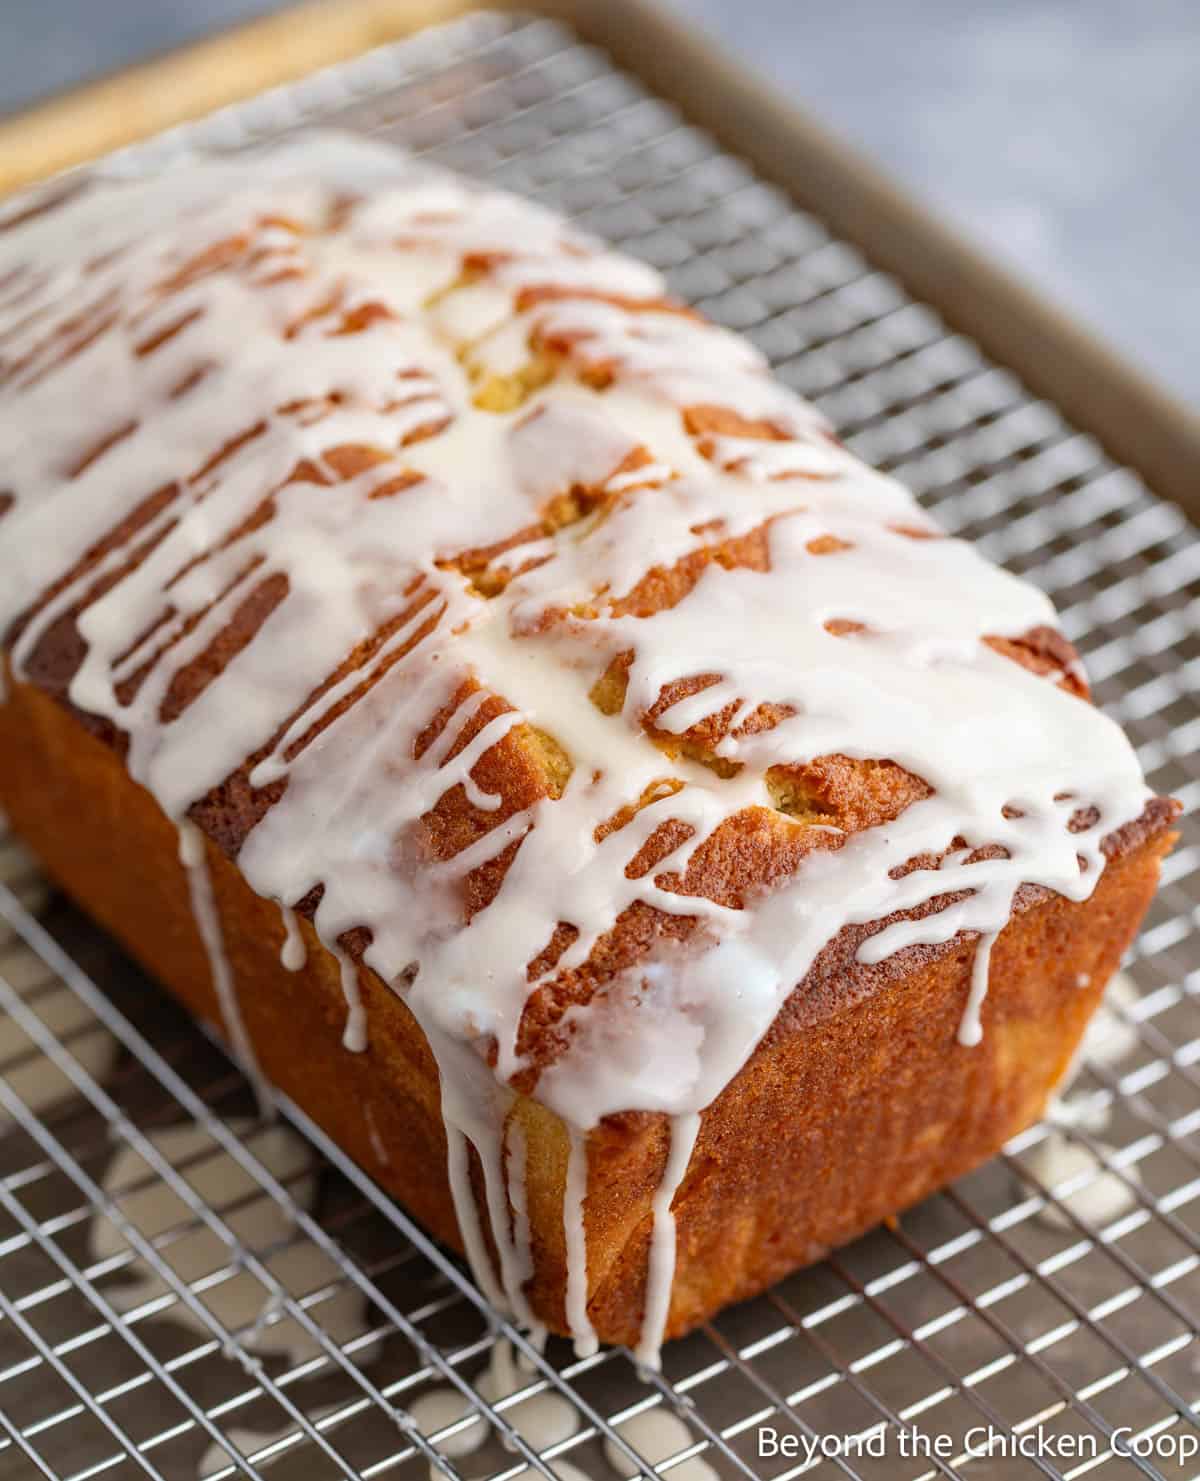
x=506 y=617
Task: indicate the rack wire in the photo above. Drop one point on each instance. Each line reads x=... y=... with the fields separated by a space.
x=144 y=1211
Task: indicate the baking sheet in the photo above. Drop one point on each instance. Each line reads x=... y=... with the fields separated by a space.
x=995 y=1303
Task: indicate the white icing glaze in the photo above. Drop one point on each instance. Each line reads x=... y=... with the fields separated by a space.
x=542 y=1419
x=208 y=923
x=366 y=305
x=575 y=1234
x=684 y=1130
x=475 y=1110
x=443 y=1406
x=1079 y=1183
x=293 y=954
x=657 y=1434
x=515 y=1170
x=354 y=1036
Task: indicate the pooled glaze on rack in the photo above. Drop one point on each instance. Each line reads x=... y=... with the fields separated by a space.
x=542 y=1418
x=527 y=594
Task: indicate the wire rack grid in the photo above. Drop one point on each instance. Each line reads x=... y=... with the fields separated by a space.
x=186 y=1291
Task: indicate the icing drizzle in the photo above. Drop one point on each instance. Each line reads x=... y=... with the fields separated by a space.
x=477 y=503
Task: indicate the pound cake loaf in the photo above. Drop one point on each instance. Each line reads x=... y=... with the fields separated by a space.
x=463 y=675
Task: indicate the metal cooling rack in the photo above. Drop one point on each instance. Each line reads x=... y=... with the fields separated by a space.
x=993 y=1304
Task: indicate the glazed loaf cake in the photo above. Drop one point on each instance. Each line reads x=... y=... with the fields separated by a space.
x=461 y=673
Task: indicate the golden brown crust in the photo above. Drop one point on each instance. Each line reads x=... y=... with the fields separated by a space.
x=812 y=807
x=857 y=1103
x=860 y=1064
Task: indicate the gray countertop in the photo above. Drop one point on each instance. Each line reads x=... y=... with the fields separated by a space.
x=1062 y=135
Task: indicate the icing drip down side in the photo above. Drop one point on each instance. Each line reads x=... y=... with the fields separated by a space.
x=508 y=621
